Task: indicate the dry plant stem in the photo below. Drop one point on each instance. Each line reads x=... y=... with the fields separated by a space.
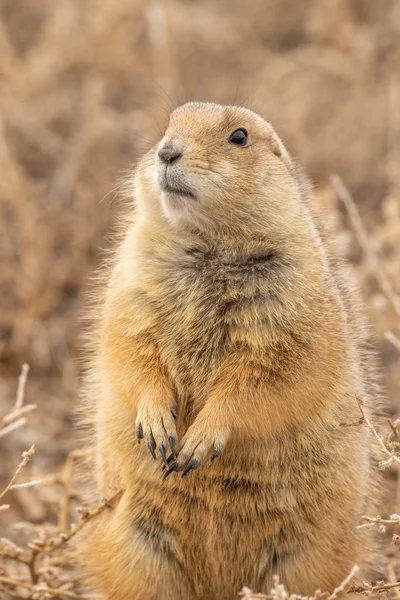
x=12 y=427
x=14 y=419
x=393 y=339
x=36 y=588
x=365 y=242
x=391 y=571
x=375 y=434
x=379 y=588
x=25 y=459
x=394 y=429
x=21 y=386
x=248 y=594
x=343 y=588
x=393 y=135
x=16 y=583
x=31 y=563
x=279 y=593
x=63 y=478
x=16 y=414
x=66 y=480
x=379 y=521
x=17 y=554
x=26 y=484
x=64 y=538
x=14 y=551
x=37 y=550
x=339 y=592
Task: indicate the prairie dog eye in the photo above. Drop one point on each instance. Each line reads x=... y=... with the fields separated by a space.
x=238 y=137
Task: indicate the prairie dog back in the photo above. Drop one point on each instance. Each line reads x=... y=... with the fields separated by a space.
x=228 y=351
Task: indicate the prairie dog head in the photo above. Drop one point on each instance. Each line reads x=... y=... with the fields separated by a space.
x=218 y=169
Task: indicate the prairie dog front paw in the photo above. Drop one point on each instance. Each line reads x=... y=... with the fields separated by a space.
x=155 y=423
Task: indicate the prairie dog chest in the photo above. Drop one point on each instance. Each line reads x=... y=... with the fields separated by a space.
x=200 y=304
x=192 y=332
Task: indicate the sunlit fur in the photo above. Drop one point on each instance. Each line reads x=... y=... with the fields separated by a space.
x=231 y=307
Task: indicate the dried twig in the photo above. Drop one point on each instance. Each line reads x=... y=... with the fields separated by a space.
x=21 y=386
x=279 y=592
x=393 y=339
x=393 y=427
x=16 y=414
x=12 y=426
x=65 y=479
x=39 y=548
x=344 y=587
x=365 y=242
x=63 y=538
x=247 y=594
x=371 y=521
x=378 y=438
x=39 y=588
x=26 y=484
x=15 y=419
x=377 y=588
x=25 y=459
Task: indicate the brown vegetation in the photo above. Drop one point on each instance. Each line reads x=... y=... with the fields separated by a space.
x=84 y=84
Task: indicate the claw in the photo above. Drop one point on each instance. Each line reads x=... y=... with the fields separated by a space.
x=151 y=446
x=194 y=464
x=139 y=433
x=215 y=455
x=174 y=413
x=170 y=458
x=168 y=471
x=172 y=442
x=163 y=454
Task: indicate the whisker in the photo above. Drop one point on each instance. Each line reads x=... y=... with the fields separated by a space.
x=171 y=105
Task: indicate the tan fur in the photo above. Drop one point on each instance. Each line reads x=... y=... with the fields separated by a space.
x=230 y=308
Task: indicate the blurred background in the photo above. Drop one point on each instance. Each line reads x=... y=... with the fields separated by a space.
x=85 y=86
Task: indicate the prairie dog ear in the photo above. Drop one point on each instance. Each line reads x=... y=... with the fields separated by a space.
x=276 y=145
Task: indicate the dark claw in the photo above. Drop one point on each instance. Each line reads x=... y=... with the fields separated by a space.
x=163 y=454
x=139 y=433
x=168 y=471
x=170 y=458
x=215 y=455
x=172 y=442
x=174 y=413
x=151 y=446
x=194 y=464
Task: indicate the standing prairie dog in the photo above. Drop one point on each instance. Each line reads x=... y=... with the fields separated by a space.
x=229 y=339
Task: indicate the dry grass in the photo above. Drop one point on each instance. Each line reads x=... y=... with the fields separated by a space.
x=85 y=85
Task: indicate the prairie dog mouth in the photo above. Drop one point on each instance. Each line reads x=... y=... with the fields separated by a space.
x=177 y=190
x=172 y=183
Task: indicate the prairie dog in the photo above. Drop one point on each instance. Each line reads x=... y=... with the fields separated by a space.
x=229 y=338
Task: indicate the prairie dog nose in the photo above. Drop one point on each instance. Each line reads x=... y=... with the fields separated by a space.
x=168 y=154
